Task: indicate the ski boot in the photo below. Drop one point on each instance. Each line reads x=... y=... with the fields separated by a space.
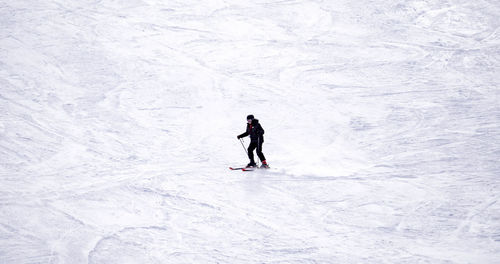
x=264 y=165
x=251 y=165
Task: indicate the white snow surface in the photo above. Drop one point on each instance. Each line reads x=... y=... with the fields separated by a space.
x=118 y=122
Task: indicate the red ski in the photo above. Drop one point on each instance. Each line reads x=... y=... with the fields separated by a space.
x=247 y=168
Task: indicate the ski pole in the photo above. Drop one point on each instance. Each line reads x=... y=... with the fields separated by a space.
x=258 y=144
x=241 y=141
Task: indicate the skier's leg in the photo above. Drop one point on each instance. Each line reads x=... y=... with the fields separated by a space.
x=259 y=151
x=251 y=148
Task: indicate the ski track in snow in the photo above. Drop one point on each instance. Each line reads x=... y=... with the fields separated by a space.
x=119 y=120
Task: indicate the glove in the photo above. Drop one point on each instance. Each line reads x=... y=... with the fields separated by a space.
x=238 y=137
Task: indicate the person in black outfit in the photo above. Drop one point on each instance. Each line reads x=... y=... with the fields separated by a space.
x=256 y=133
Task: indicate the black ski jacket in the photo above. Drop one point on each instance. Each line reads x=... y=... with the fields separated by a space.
x=255 y=131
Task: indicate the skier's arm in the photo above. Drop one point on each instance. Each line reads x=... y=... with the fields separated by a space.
x=260 y=130
x=243 y=135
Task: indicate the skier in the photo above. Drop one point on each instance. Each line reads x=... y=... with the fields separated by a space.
x=256 y=133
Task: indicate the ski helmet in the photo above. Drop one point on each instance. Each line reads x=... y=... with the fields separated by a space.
x=250 y=117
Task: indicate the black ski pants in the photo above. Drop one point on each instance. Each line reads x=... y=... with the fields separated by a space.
x=255 y=144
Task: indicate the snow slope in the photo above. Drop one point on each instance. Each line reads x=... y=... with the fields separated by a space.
x=119 y=120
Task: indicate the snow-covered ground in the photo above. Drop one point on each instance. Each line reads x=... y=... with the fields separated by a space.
x=118 y=121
